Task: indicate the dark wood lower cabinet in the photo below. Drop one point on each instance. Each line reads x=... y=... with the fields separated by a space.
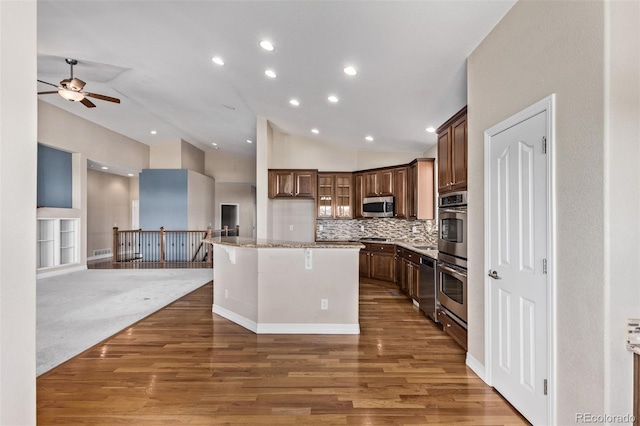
x=452 y=328
x=377 y=262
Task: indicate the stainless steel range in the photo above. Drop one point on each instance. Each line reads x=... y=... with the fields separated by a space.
x=452 y=256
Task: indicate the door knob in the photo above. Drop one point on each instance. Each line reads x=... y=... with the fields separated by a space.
x=494 y=275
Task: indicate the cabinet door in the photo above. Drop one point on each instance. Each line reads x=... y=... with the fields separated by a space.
x=358 y=194
x=459 y=154
x=343 y=196
x=400 y=192
x=412 y=191
x=444 y=161
x=415 y=280
x=382 y=266
x=385 y=183
x=280 y=183
x=325 y=196
x=398 y=266
x=364 y=263
x=371 y=184
x=305 y=184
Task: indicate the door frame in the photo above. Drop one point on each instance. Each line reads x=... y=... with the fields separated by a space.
x=237 y=206
x=547 y=106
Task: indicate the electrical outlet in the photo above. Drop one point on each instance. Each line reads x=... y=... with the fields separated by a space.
x=362 y=228
x=290 y=227
x=226 y=293
x=324 y=304
x=320 y=227
x=414 y=229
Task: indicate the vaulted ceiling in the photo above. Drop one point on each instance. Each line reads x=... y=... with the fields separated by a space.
x=156 y=56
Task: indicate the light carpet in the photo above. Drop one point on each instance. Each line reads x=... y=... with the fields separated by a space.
x=78 y=310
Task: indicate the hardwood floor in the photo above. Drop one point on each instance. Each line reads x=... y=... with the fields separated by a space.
x=185 y=365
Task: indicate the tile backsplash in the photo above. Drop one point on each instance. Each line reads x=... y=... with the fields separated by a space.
x=426 y=230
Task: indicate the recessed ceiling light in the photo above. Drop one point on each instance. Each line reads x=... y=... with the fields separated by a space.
x=104 y=168
x=249 y=141
x=431 y=129
x=153 y=132
x=294 y=102
x=316 y=131
x=369 y=138
x=333 y=98
x=266 y=45
x=217 y=60
x=130 y=174
x=350 y=70
x=214 y=144
x=270 y=73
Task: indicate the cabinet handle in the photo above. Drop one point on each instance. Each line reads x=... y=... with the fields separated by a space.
x=448 y=325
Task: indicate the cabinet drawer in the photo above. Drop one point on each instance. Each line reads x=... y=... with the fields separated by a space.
x=381 y=248
x=453 y=329
x=412 y=256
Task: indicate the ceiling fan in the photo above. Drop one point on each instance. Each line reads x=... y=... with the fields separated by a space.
x=71 y=89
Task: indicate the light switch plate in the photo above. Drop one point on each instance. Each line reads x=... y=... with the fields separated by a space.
x=634 y=331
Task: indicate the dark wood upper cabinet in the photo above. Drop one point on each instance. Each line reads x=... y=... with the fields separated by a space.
x=400 y=182
x=292 y=183
x=378 y=183
x=452 y=153
x=421 y=196
x=358 y=194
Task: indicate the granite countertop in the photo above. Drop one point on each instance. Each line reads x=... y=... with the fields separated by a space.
x=634 y=348
x=433 y=253
x=265 y=243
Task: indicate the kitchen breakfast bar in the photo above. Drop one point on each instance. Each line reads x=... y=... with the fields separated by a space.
x=282 y=287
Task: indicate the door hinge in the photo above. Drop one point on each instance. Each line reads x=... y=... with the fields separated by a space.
x=544 y=145
x=544 y=266
x=545 y=386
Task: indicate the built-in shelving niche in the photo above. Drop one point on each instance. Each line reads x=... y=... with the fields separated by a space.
x=57 y=242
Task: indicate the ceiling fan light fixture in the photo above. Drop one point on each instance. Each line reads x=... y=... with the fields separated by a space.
x=70 y=95
x=76 y=84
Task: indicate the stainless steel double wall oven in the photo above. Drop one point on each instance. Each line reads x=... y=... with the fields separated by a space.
x=452 y=255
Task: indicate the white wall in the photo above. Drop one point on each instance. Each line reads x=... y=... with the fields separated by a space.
x=540 y=48
x=18 y=157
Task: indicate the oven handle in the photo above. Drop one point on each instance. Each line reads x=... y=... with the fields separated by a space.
x=453 y=271
x=453 y=211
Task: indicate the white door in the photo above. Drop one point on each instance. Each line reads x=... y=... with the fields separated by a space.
x=135 y=214
x=518 y=281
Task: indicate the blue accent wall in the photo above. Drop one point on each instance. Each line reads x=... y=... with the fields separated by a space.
x=164 y=199
x=54 y=178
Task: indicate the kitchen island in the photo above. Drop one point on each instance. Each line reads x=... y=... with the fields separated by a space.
x=286 y=287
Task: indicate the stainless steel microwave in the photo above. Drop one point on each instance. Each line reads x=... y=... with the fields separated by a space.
x=377 y=207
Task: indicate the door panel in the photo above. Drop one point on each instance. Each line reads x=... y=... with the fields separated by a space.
x=518 y=238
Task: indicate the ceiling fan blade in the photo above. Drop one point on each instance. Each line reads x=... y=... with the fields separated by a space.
x=47 y=93
x=102 y=97
x=86 y=102
x=50 y=84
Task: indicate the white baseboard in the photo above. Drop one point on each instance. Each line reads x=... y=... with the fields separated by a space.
x=55 y=273
x=477 y=367
x=279 y=328
x=99 y=256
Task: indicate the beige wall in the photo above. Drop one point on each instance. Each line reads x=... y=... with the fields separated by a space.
x=65 y=131
x=192 y=157
x=167 y=155
x=108 y=204
x=297 y=152
x=264 y=158
x=243 y=195
x=293 y=220
x=229 y=167
x=18 y=158
x=622 y=177
x=540 y=48
x=201 y=194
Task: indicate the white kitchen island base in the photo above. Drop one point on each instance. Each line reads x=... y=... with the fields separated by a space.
x=280 y=288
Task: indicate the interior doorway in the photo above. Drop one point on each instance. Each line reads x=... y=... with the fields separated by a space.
x=229 y=215
x=519 y=315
